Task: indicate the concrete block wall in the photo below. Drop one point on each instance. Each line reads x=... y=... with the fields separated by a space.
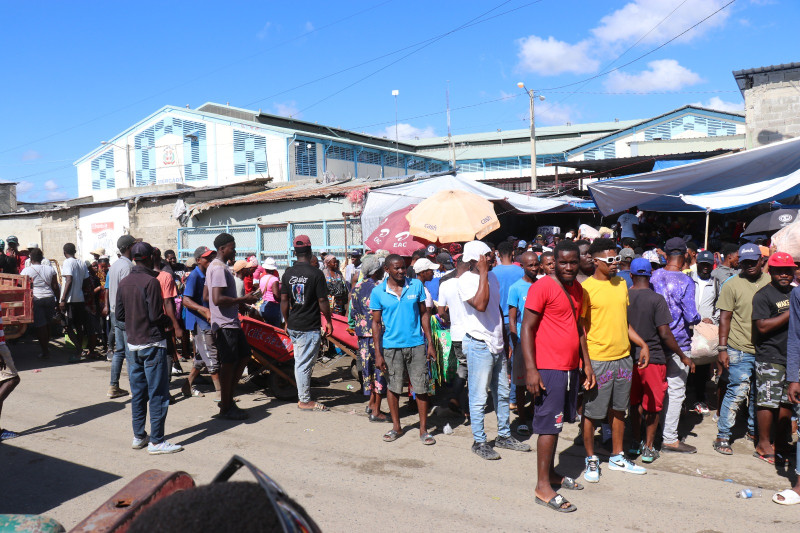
x=772 y=107
x=153 y=222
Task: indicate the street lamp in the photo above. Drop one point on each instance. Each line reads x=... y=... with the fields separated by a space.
x=395 y=92
x=532 y=96
x=127 y=149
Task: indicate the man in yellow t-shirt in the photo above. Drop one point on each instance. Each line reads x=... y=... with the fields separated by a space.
x=608 y=341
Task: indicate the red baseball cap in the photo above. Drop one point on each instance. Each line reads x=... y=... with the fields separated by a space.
x=781 y=259
x=301 y=241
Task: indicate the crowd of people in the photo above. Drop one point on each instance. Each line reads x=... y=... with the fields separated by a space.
x=620 y=329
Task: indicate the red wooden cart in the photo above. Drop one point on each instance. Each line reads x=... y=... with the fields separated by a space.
x=16 y=300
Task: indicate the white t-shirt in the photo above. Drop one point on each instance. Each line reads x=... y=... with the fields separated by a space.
x=448 y=296
x=45 y=262
x=76 y=269
x=428 y=298
x=485 y=326
x=41 y=279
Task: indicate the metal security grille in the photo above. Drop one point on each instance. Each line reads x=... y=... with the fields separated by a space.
x=305 y=158
x=340 y=152
x=103 y=171
x=370 y=158
x=470 y=166
x=189 y=239
x=275 y=244
x=416 y=164
x=607 y=151
x=392 y=160
x=247 y=241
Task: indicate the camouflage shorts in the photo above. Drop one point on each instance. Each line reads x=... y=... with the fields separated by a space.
x=771 y=385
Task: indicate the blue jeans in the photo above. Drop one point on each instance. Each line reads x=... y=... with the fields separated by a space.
x=148 y=372
x=741 y=387
x=120 y=349
x=306 y=349
x=486 y=370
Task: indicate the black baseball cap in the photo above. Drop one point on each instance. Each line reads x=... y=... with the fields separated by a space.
x=141 y=250
x=705 y=257
x=675 y=246
x=125 y=242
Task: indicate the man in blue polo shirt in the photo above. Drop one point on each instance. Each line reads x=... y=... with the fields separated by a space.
x=196 y=318
x=399 y=318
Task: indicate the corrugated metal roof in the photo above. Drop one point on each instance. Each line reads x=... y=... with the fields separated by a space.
x=308 y=189
x=541 y=132
x=762 y=70
x=516 y=149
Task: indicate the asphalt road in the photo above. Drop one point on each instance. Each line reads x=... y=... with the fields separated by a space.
x=75 y=453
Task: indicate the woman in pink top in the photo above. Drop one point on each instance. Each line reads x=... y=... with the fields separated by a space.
x=270 y=287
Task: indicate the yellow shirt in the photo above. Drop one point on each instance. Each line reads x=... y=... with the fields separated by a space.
x=605 y=317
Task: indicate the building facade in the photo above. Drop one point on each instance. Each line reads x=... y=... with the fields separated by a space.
x=772 y=102
x=217 y=145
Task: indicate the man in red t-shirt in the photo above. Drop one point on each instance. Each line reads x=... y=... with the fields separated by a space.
x=551 y=346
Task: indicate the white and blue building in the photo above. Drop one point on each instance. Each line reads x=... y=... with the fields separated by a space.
x=218 y=144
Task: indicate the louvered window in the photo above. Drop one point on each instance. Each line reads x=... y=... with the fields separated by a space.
x=249 y=153
x=103 y=171
x=305 y=158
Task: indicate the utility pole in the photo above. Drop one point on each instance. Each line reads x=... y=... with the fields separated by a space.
x=396 y=136
x=531 y=95
x=449 y=136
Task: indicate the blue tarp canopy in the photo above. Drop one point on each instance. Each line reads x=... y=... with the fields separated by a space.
x=722 y=184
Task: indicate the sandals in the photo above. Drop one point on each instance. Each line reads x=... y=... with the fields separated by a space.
x=723 y=446
x=786 y=497
x=557 y=503
x=392 y=435
x=189 y=392
x=378 y=418
x=234 y=413
x=318 y=407
x=766 y=457
x=427 y=439
x=523 y=430
x=570 y=484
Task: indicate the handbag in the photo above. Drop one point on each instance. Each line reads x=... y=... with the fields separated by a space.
x=705 y=341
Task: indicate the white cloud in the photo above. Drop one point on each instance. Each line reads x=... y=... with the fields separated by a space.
x=31 y=155
x=639 y=17
x=287 y=109
x=24 y=187
x=661 y=75
x=552 y=57
x=554 y=114
x=715 y=102
x=309 y=26
x=406 y=132
x=53 y=191
x=262 y=34
x=51 y=185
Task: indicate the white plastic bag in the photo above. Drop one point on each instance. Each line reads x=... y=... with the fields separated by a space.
x=704 y=343
x=787 y=239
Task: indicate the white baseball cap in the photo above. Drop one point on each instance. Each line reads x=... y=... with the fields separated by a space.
x=269 y=264
x=473 y=251
x=424 y=264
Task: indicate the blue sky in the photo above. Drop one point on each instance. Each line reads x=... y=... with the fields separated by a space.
x=76 y=73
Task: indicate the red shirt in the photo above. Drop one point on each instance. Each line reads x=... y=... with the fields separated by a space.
x=557 y=342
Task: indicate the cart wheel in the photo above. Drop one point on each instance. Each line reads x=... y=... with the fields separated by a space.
x=14 y=331
x=281 y=388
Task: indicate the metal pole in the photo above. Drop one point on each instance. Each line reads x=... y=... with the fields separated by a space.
x=533 y=145
x=396 y=136
x=708 y=215
x=128 y=163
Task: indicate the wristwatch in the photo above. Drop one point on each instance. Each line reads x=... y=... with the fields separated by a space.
x=722 y=348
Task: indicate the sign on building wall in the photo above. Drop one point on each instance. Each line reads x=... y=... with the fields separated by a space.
x=169 y=159
x=100 y=227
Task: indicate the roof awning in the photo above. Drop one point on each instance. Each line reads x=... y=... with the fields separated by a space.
x=727 y=183
x=625 y=166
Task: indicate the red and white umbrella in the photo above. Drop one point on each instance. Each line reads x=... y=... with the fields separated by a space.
x=392 y=235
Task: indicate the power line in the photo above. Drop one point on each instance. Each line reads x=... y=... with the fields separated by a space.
x=659 y=47
x=201 y=76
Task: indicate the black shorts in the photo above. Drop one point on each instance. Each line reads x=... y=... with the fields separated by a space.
x=232 y=345
x=558 y=403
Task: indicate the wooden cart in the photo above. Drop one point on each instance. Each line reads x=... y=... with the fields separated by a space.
x=16 y=299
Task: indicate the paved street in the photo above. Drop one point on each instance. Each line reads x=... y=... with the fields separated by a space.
x=75 y=453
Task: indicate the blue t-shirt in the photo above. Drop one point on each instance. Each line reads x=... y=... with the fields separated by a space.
x=433 y=285
x=401 y=317
x=194 y=290
x=507 y=275
x=626 y=275
x=517 y=295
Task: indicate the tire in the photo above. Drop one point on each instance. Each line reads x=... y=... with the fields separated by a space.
x=281 y=388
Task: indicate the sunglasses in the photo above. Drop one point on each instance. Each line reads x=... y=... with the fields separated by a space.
x=609 y=260
x=292 y=519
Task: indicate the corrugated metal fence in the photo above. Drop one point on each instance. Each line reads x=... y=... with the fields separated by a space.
x=274 y=240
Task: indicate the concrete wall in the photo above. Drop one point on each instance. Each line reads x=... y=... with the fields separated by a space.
x=310 y=210
x=26 y=228
x=772 y=107
x=153 y=222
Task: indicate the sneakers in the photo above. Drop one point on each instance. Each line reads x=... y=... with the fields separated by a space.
x=510 y=443
x=115 y=392
x=110 y=356
x=6 y=434
x=177 y=371
x=484 y=451
x=592 y=473
x=623 y=464
x=700 y=408
x=138 y=444
x=649 y=454
x=678 y=447
x=636 y=449
x=163 y=448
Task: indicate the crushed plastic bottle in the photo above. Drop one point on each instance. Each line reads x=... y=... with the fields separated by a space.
x=349 y=387
x=447 y=430
x=746 y=494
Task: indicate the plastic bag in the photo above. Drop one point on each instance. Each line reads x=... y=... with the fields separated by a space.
x=704 y=343
x=787 y=239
